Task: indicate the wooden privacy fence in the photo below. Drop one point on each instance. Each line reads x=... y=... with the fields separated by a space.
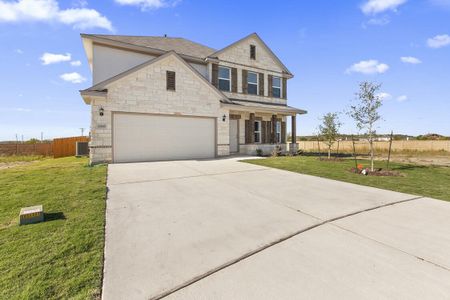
x=45 y=149
x=67 y=146
x=363 y=146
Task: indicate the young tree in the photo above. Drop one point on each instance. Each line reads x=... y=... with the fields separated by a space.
x=366 y=113
x=329 y=129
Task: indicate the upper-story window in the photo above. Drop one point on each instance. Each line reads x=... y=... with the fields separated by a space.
x=276 y=87
x=225 y=79
x=252 y=83
x=252 y=52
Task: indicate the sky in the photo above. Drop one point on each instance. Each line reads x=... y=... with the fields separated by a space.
x=330 y=47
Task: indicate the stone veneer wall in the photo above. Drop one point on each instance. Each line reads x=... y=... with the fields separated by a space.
x=144 y=91
x=238 y=57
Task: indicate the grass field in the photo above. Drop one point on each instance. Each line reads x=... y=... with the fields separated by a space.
x=60 y=258
x=430 y=181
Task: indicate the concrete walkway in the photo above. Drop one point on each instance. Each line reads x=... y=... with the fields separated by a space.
x=222 y=229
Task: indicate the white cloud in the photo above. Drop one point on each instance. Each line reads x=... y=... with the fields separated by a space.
x=384 y=96
x=83 y=18
x=371 y=66
x=373 y=7
x=410 y=60
x=379 y=21
x=402 y=98
x=19 y=51
x=51 y=58
x=75 y=63
x=49 y=11
x=439 y=41
x=148 y=4
x=73 y=77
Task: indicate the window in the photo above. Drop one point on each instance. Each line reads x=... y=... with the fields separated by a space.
x=170 y=80
x=224 y=79
x=252 y=52
x=252 y=83
x=257 y=131
x=276 y=87
x=278 y=131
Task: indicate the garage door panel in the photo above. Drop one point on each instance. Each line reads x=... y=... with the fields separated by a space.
x=144 y=137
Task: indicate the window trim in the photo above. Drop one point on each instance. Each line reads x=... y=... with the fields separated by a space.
x=278 y=132
x=257 y=83
x=276 y=87
x=259 y=132
x=221 y=78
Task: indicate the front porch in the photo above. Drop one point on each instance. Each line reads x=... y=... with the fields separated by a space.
x=257 y=127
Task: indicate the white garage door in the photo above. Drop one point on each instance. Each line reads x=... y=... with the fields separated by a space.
x=143 y=137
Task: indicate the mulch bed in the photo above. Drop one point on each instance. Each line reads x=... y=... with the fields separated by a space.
x=378 y=172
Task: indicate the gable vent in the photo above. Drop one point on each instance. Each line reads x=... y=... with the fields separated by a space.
x=170 y=80
x=252 y=52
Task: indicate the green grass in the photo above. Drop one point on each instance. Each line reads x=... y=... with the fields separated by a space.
x=20 y=158
x=61 y=258
x=430 y=181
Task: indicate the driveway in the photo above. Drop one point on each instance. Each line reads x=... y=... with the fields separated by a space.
x=223 y=229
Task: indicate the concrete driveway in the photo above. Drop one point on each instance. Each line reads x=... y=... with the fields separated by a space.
x=223 y=229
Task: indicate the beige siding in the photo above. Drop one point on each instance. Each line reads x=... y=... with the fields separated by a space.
x=109 y=62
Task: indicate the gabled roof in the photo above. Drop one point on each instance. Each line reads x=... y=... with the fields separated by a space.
x=100 y=88
x=253 y=35
x=180 y=45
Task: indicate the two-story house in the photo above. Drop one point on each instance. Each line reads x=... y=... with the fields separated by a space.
x=164 y=98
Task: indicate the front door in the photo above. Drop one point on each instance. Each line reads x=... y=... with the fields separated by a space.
x=234 y=136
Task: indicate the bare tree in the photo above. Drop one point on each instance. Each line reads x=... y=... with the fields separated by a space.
x=329 y=129
x=366 y=113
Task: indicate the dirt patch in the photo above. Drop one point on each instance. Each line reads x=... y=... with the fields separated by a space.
x=14 y=164
x=424 y=160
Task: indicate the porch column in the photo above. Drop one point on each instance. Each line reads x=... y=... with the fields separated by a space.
x=252 y=128
x=293 y=146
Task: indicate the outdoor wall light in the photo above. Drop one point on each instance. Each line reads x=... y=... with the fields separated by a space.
x=101 y=111
x=224 y=117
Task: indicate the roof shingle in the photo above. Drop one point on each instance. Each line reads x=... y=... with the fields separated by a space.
x=180 y=45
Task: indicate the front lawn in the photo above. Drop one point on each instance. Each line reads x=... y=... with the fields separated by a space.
x=60 y=258
x=430 y=181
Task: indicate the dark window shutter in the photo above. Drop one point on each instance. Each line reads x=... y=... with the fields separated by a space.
x=270 y=83
x=215 y=75
x=269 y=126
x=244 y=82
x=284 y=88
x=283 y=132
x=170 y=80
x=261 y=84
x=247 y=131
x=252 y=52
x=273 y=129
x=233 y=80
x=263 y=131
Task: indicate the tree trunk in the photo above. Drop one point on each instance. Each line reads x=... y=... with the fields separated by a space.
x=371 y=155
x=329 y=152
